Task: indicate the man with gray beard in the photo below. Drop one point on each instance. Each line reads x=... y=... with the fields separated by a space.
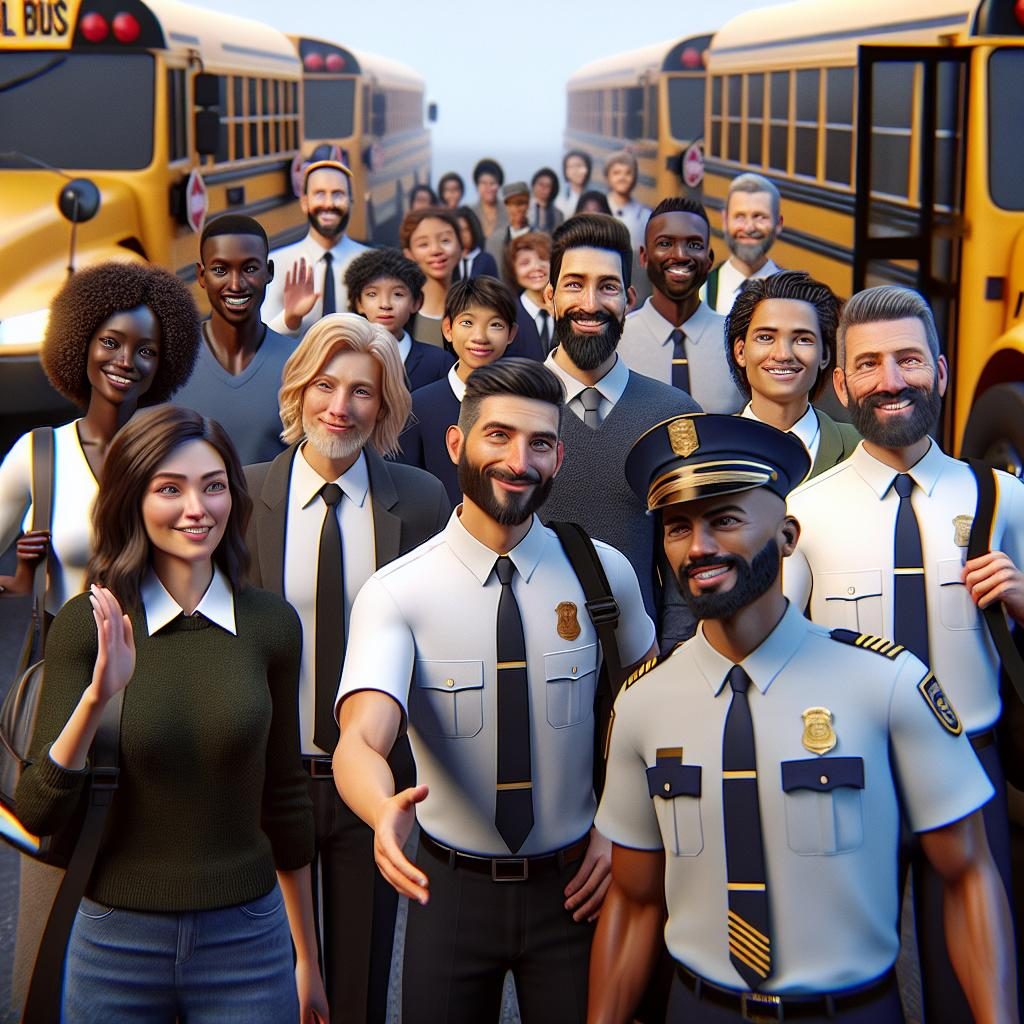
x=609 y=407
x=327 y=513
x=751 y=223
x=883 y=552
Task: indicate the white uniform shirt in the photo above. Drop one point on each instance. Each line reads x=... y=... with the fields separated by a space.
x=610 y=386
x=217 y=604
x=343 y=253
x=74 y=491
x=844 y=563
x=424 y=631
x=830 y=823
x=730 y=280
x=635 y=216
x=306 y=514
x=807 y=429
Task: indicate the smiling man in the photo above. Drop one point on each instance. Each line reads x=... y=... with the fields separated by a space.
x=238 y=368
x=674 y=337
x=882 y=553
x=478 y=644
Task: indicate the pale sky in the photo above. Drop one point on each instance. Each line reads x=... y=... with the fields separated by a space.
x=496 y=70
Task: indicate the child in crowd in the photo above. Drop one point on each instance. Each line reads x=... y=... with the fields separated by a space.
x=431 y=238
x=387 y=289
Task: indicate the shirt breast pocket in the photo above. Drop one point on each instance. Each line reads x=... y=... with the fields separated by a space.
x=853 y=600
x=447 y=698
x=571 y=680
x=675 y=790
x=956 y=608
x=824 y=815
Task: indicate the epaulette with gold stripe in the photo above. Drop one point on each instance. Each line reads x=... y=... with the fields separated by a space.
x=642 y=670
x=867 y=642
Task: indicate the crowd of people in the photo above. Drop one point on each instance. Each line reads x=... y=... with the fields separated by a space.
x=319 y=543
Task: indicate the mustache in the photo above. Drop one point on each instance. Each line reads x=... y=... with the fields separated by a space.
x=531 y=476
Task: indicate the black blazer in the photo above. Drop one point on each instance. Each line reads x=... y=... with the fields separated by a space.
x=409 y=507
x=426 y=363
x=527 y=341
x=434 y=409
x=483 y=264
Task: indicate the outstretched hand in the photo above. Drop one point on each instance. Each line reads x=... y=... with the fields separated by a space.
x=299 y=293
x=115 y=654
x=391 y=829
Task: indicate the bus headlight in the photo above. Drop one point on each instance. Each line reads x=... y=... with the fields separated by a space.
x=24 y=329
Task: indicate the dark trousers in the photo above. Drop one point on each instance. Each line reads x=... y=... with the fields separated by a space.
x=472 y=930
x=687 y=1007
x=355 y=906
x=944 y=999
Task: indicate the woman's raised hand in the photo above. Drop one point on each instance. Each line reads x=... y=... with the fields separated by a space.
x=115 y=654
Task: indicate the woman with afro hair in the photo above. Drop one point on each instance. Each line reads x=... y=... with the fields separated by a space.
x=120 y=336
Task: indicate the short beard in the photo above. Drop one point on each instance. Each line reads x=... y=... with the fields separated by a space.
x=899 y=433
x=587 y=351
x=475 y=484
x=332 y=232
x=750 y=252
x=334 y=448
x=753 y=579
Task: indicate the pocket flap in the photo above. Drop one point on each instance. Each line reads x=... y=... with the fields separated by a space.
x=450 y=676
x=949 y=571
x=571 y=664
x=672 y=780
x=851 y=586
x=823 y=774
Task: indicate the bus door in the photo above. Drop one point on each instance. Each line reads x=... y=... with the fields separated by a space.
x=911 y=131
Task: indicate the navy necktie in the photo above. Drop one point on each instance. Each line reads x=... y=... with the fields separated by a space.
x=513 y=806
x=590 y=399
x=910 y=604
x=749 y=923
x=545 y=331
x=329 y=303
x=680 y=364
x=330 y=623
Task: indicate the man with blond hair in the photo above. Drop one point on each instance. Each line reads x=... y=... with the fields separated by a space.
x=327 y=513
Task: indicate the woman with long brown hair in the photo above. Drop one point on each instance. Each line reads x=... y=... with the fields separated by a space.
x=212 y=798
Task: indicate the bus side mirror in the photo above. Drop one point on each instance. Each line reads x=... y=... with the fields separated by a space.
x=432 y=113
x=207 y=132
x=79 y=200
x=207 y=90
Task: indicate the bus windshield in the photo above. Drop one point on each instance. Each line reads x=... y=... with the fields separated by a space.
x=84 y=111
x=686 y=108
x=1005 y=141
x=330 y=106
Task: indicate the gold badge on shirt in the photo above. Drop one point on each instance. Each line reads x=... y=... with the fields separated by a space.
x=962 y=530
x=819 y=736
x=568 y=620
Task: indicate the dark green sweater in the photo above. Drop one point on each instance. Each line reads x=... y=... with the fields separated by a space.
x=212 y=792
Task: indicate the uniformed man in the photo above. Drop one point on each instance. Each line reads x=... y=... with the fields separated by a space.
x=883 y=549
x=757 y=775
x=478 y=642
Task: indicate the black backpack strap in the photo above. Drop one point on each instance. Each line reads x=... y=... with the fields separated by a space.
x=712 y=288
x=980 y=544
x=43 y=1003
x=42 y=517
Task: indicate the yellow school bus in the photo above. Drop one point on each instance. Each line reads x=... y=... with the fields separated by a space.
x=894 y=135
x=649 y=101
x=372 y=109
x=171 y=113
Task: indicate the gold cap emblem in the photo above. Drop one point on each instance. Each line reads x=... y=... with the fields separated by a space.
x=819 y=736
x=682 y=436
x=568 y=620
x=962 y=530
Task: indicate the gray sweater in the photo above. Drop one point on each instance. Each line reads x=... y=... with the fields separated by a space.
x=591 y=490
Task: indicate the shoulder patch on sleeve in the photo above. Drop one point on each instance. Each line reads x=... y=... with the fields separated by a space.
x=940 y=705
x=641 y=671
x=867 y=642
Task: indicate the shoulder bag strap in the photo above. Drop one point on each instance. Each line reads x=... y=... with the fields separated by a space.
x=43 y=1003
x=712 y=288
x=979 y=544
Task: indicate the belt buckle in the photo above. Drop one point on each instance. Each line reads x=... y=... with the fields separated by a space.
x=510 y=869
x=762 y=1003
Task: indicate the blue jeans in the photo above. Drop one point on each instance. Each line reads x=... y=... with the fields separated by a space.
x=203 y=967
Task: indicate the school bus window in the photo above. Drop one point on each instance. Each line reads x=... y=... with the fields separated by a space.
x=329 y=107
x=1006 y=144
x=651 y=131
x=838 y=125
x=634 y=127
x=950 y=96
x=686 y=107
x=755 y=119
x=806 y=151
x=735 y=112
x=716 y=116
x=778 y=131
x=98 y=108
x=177 y=132
x=892 y=103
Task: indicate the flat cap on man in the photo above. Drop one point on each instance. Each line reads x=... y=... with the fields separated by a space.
x=514 y=188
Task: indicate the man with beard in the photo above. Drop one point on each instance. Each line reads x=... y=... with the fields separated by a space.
x=327 y=513
x=884 y=547
x=751 y=223
x=478 y=644
x=674 y=337
x=311 y=282
x=610 y=406
x=757 y=776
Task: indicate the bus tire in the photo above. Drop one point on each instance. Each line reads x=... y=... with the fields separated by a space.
x=995 y=429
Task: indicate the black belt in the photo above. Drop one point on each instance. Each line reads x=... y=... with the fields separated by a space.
x=318 y=767
x=981 y=740
x=505 y=869
x=761 y=1007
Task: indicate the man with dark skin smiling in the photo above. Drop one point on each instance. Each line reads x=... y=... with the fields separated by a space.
x=238 y=370
x=757 y=777
x=674 y=337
